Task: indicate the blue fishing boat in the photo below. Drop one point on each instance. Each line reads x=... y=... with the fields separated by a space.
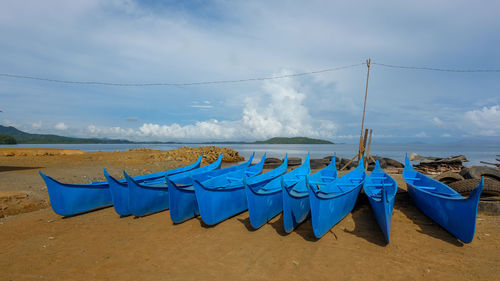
x=265 y=200
x=71 y=199
x=296 y=195
x=381 y=191
x=183 y=204
x=331 y=202
x=120 y=192
x=222 y=197
x=442 y=204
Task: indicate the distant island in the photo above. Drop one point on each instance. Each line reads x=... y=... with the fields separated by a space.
x=294 y=140
x=27 y=138
x=11 y=135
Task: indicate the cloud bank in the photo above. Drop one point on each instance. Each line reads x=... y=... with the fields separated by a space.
x=278 y=111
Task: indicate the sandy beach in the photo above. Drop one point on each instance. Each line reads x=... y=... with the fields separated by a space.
x=37 y=244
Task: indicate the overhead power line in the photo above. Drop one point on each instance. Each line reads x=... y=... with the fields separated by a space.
x=102 y=83
x=178 y=84
x=435 y=69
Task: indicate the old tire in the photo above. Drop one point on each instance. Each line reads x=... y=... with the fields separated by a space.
x=491 y=186
x=476 y=172
x=449 y=177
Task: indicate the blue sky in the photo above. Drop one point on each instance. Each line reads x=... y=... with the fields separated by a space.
x=189 y=41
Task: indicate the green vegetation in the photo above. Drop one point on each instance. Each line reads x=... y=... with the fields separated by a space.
x=5 y=139
x=23 y=137
x=295 y=140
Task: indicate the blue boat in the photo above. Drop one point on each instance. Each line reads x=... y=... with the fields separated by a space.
x=120 y=192
x=296 y=195
x=381 y=191
x=333 y=201
x=183 y=204
x=71 y=199
x=265 y=200
x=442 y=204
x=222 y=197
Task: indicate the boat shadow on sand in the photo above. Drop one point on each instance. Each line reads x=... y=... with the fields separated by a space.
x=304 y=230
x=86 y=212
x=17 y=168
x=365 y=223
x=427 y=226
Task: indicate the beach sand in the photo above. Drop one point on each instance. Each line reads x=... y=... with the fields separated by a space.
x=100 y=245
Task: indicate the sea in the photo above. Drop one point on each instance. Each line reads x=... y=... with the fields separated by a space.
x=473 y=152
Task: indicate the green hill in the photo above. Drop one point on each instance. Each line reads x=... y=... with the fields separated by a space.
x=295 y=140
x=23 y=137
x=5 y=139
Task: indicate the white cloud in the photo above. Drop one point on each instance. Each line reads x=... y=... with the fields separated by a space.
x=421 y=135
x=202 y=106
x=61 y=126
x=8 y=123
x=438 y=122
x=37 y=125
x=278 y=111
x=445 y=135
x=483 y=122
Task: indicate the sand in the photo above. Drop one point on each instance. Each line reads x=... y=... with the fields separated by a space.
x=100 y=245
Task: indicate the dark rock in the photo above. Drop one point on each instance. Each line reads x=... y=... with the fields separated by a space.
x=392 y=163
x=273 y=160
x=271 y=165
x=344 y=161
x=294 y=161
x=318 y=163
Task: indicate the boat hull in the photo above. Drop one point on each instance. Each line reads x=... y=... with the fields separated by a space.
x=295 y=209
x=183 y=204
x=263 y=207
x=145 y=200
x=442 y=204
x=119 y=195
x=381 y=189
x=457 y=216
x=327 y=212
x=218 y=205
x=382 y=210
x=72 y=199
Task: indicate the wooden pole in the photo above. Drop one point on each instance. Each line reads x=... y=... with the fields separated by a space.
x=368 y=61
x=368 y=148
x=365 y=139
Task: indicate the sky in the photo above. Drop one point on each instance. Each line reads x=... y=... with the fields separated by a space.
x=125 y=41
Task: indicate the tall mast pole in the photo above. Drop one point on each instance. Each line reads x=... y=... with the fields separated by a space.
x=361 y=146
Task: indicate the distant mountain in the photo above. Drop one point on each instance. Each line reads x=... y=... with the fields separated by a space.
x=295 y=140
x=23 y=137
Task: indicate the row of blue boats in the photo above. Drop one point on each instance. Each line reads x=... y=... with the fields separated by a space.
x=217 y=194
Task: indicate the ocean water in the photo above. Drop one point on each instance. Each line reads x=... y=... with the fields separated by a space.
x=474 y=153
